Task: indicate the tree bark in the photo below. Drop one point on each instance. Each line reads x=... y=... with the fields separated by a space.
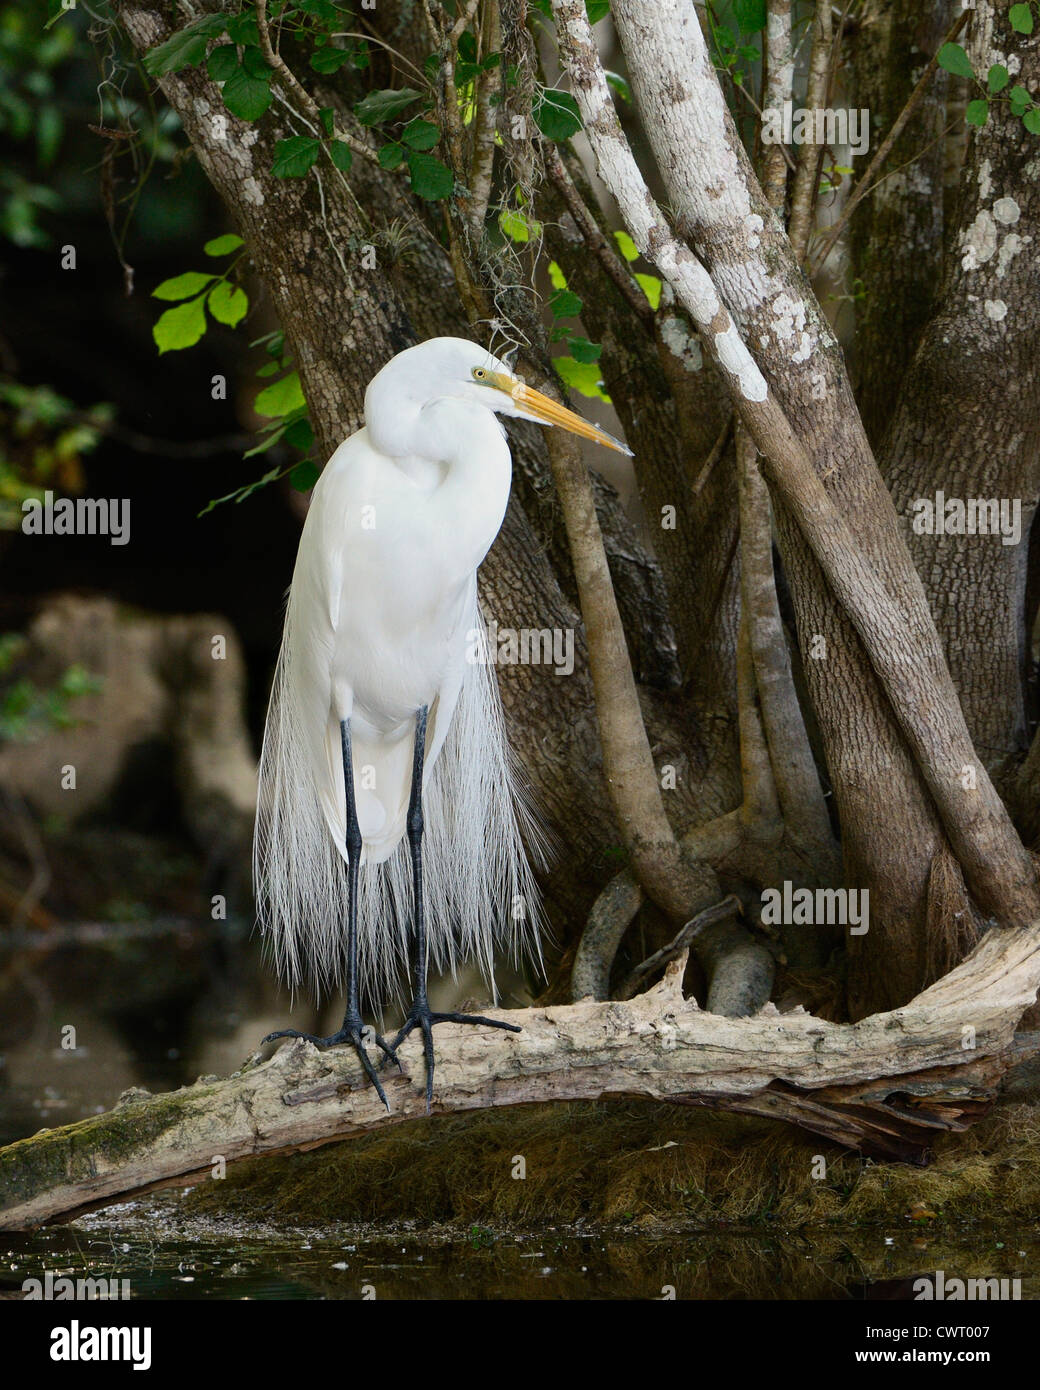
x=719 y=207
x=897 y=233
x=966 y=422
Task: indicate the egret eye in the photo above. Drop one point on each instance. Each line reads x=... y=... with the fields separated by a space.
x=480 y=373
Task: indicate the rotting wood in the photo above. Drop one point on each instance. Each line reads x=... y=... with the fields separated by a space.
x=887 y=1085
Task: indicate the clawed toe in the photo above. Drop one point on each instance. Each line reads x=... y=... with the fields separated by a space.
x=421 y=1016
x=355 y=1038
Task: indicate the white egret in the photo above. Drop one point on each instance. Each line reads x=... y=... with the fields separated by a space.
x=385 y=720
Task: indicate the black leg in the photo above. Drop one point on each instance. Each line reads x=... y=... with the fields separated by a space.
x=419 y=1015
x=352 y=1030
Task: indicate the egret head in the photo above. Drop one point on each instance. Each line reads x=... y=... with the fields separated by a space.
x=455 y=368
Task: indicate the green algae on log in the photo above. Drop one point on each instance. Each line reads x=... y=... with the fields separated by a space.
x=886 y=1085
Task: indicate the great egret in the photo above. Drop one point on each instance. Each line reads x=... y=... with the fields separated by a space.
x=385 y=718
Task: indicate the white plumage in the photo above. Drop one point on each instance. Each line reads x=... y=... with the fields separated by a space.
x=383 y=619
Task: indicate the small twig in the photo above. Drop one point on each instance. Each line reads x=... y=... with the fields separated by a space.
x=485 y=123
x=810 y=156
x=462 y=23
x=780 y=147
x=633 y=983
x=717 y=450
x=593 y=236
x=863 y=186
x=277 y=64
x=779 y=80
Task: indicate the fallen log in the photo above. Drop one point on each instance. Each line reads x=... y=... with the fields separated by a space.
x=886 y=1085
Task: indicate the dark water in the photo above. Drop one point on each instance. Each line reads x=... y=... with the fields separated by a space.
x=157 y=1005
x=164 y=1255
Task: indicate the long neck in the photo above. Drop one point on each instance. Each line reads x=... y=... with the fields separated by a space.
x=472 y=499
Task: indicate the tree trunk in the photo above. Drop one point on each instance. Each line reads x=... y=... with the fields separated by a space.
x=718 y=206
x=966 y=422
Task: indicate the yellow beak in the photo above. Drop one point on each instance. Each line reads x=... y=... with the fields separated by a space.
x=534 y=403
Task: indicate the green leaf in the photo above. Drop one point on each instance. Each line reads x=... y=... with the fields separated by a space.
x=186 y=48
x=242 y=28
x=420 y=134
x=181 y=327
x=222 y=62
x=565 y=304
x=556 y=277
x=1031 y=121
x=1019 y=100
x=468 y=47
x=328 y=119
x=626 y=246
x=391 y=155
x=282 y=398
x=750 y=15
x=241 y=493
x=597 y=10
x=431 y=179
x=246 y=96
x=299 y=434
x=998 y=78
x=620 y=85
x=1021 y=17
x=515 y=225
x=223 y=245
x=330 y=59
x=182 y=286
x=305 y=475
x=977 y=112
x=228 y=303
x=269 y=438
x=341 y=155
x=295 y=157
x=323 y=9
x=268 y=369
x=381 y=106
x=953 y=58
x=584 y=351
x=556 y=114
x=651 y=288
x=583 y=377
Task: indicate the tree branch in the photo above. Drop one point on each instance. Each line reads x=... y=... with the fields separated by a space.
x=594 y=238
x=866 y=180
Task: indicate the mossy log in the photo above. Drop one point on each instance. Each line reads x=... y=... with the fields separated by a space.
x=885 y=1086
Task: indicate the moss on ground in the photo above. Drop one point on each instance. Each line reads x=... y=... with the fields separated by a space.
x=640 y=1162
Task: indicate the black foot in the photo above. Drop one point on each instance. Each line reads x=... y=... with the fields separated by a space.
x=420 y=1016
x=351 y=1033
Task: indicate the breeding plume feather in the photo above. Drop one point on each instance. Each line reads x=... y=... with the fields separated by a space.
x=384 y=671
